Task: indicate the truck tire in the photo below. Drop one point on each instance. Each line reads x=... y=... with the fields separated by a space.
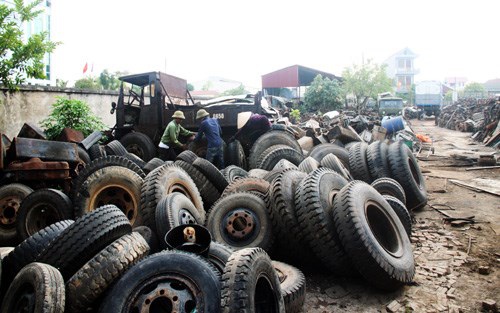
x=268 y=139
x=152 y=164
x=235 y=155
x=41 y=208
x=115 y=148
x=37 y=288
x=250 y=283
x=376 y=156
x=401 y=211
x=137 y=160
x=11 y=197
x=218 y=255
x=190 y=283
x=357 y=162
x=212 y=173
x=373 y=236
x=390 y=187
x=139 y=144
x=150 y=237
x=331 y=161
x=83 y=155
x=247 y=184
x=319 y=151
x=308 y=165
x=284 y=164
x=96 y=151
x=208 y=192
x=233 y=172
x=293 y=286
x=187 y=156
x=274 y=154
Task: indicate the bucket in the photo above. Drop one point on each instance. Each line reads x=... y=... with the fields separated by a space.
x=192 y=238
x=394 y=124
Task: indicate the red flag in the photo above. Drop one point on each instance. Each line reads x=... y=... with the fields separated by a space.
x=85 y=67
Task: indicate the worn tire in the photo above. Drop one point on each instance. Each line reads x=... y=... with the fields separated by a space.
x=208 y=192
x=152 y=164
x=373 y=236
x=83 y=239
x=187 y=156
x=140 y=145
x=235 y=155
x=241 y=220
x=250 y=283
x=218 y=255
x=401 y=211
x=376 y=156
x=293 y=286
x=274 y=154
x=358 y=165
x=182 y=274
x=96 y=151
x=91 y=281
x=37 y=288
x=212 y=173
x=331 y=161
x=162 y=181
x=115 y=148
x=174 y=210
x=233 y=172
x=247 y=184
x=136 y=159
x=405 y=170
x=41 y=208
x=318 y=152
x=11 y=197
x=150 y=237
x=268 y=139
x=284 y=164
x=314 y=200
x=83 y=155
x=111 y=185
x=390 y=187
x=257 y=173
x=308 y=165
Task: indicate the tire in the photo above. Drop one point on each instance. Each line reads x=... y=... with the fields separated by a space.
x=115 y=185
x=251 y=284
x=247 y=184
x=293 y=286
x=173 y=210
x=357 y=162
x=28 y=250
x=233 y=172
x=137 y=160
x=41 y=208
x=218 y=255
x=272 y=157
x=401 y=211
x=37 y=288
x=390 y=187
x=373 y=236
x=83 y=239
x=83 y=155
x=140 y=145
x=318 y=152
x=11 y=197
x=268 y=139
x=187 y=156
x=208 y=192
x=181 y=274
x=284 y=164
x=96 y=151
x=405 y=170
x=331 y=161
x=308 y=165
x=376 y=155
x=235 y=155
x=241 y=220
x=150 y=237
x=161 y=182
x=152 y=164
x=115 y=148
x=212 y=173
x=271 y=175
x=257 y=173
x=91 y=281
x=349 y=145
x=314 y=200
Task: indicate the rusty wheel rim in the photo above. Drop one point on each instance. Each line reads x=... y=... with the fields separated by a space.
x=240 y=224
x=121 y=196
x=39 y=217
x=9 y=207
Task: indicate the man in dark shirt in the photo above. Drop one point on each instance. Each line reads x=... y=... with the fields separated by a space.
x=250 y=127
x=211 y=129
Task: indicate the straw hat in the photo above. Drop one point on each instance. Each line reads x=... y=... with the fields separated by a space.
x=178 y=114
x=201 y=114
x=243 y=118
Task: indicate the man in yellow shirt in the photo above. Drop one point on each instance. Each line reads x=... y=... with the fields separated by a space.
x=170 y=145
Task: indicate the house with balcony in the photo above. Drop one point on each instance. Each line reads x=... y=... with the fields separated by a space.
x=401 y=68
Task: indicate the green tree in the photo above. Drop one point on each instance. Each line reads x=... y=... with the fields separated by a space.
x=240 y=90
x=190 y=87
x=72 y=113
x=109 y=81
x=474 y=90
x=88 y=83
x=365 y=81
x=323 y=95
x=20 y=60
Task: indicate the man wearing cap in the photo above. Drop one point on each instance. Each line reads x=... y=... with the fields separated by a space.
x=169 y=142
x=211 y=129
x=250 y=127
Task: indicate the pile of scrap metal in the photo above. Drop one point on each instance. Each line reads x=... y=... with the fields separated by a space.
x=480 y=117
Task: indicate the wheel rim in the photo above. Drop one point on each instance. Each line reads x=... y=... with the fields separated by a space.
x=170 y=293
x=264 y=297
x=25 y=302
x=383 y=228
x=9 y=206
x=185 y=217
x=41 y=216
x=120 y=196
x=240 y=225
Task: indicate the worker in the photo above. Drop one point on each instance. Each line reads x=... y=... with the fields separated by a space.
x=170 y=145
x=250 y=127
x=211 y=129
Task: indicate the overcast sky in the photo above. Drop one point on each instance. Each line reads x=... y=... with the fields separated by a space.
x=243 y=40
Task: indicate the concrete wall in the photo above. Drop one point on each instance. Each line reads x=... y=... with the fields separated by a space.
x=31 y=104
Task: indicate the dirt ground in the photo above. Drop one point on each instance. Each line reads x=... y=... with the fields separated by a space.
x=456 y=266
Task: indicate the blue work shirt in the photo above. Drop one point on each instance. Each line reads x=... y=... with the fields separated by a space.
x=211 y=128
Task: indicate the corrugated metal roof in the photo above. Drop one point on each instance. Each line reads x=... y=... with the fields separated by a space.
x=293 y=76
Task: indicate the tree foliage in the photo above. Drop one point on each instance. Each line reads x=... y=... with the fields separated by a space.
x=366 y=81
x=474 y=90
x=20 y=60
x=323 y=95
x=74 y=114
x=109 y=81
x=240 y=90
x=90 y=83
x=190 y=87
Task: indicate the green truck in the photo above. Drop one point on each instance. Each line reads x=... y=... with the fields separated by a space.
x=389 y=105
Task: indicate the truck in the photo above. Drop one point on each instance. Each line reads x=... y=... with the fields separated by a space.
x=388 y=104
x=429 y=97
x=147 y=101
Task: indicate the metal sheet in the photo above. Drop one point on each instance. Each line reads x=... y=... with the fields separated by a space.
x=27 y=148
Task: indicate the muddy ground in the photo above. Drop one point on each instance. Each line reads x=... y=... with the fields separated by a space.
x=456 y=266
